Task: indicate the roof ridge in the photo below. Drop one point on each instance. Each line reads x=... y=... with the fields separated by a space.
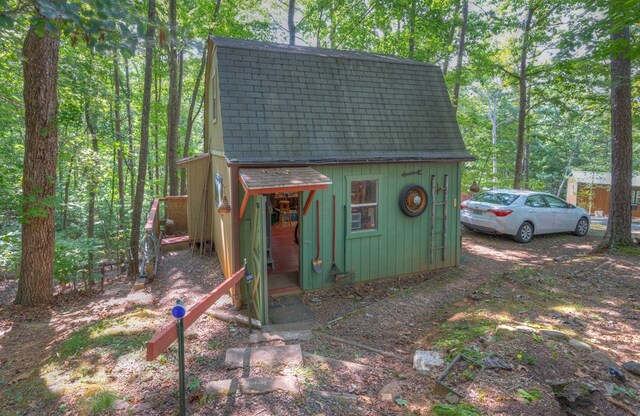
x=250 y=44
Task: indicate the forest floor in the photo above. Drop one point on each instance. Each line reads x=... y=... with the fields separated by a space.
x=86 y=353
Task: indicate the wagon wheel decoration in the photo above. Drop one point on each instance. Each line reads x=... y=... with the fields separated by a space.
x=413 y=200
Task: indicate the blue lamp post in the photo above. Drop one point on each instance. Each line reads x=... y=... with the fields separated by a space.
x=178 y=312
x=247 y=279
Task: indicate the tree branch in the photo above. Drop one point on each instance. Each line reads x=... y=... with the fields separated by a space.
x=506 y=71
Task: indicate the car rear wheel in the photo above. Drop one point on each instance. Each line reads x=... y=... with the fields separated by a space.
x=525 y=233
x=582 y=228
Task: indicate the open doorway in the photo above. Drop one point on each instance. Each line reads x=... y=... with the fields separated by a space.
x=283 y=249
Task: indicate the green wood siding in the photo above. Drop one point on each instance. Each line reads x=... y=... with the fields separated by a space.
x=402 y=244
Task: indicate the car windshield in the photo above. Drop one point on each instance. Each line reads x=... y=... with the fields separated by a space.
x=495 y=198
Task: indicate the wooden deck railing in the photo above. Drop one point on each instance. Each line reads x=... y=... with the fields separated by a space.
x=153 y=219
x=165 y=337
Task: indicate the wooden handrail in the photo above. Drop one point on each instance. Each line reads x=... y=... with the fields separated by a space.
x=165 y=337
x=153 y=220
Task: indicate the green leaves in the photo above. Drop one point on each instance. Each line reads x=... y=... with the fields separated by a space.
x=530 y=395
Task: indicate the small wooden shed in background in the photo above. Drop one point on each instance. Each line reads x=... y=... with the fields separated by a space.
x=592 y=192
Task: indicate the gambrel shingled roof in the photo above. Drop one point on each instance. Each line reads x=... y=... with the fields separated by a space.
x=298 y=104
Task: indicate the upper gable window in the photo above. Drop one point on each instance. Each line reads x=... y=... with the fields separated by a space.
x=213 y=80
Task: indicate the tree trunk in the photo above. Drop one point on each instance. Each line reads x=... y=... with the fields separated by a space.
x=191 y=119
x=452 y=31
x=173 y=110
x=493 y=117
x=463 y=31
x=93 y=185
x=412 y=29
x=619 y=224
x=567 y=169
x=526 y=157
x=144 y=134
x=40 y=69
x=65 y=208
x=157 y=94
x=291 y=21
x=130 y=131
x=522 y=114
x=120 y=144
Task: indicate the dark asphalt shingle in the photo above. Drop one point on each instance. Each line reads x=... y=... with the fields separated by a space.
x=296 y=104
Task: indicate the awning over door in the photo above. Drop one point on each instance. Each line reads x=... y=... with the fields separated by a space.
x=260 y=181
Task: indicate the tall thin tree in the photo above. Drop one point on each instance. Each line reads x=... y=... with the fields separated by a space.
x=463 y=32
x=119 y=141
x=93 y=185
x=173 y=110
x=522 y=84
x=291 y=22
x=144 y=134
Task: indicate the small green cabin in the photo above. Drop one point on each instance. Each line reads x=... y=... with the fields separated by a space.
x=325 y=167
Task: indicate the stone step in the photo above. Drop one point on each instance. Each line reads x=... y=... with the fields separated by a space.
x=279 y=356
x=258 y=337
x=293 y=326
x=335 y=365
x=253 y=385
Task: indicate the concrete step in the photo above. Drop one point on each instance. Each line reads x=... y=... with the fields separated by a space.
x=272 y=357
x=337 y=366
x=259 y=337
x=253 y=385
x=293 y=326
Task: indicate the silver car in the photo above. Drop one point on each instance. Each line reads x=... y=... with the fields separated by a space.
x=522 y=214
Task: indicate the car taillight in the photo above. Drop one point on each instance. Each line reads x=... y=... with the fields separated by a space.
x=501 y=212
x=463 y=206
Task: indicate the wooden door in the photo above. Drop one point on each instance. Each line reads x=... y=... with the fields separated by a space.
x=258 y=263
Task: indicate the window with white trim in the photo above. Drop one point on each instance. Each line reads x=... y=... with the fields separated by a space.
x=364 y=205
x=213 y=79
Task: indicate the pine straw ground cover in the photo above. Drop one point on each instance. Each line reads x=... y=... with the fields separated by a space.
x=85 y=355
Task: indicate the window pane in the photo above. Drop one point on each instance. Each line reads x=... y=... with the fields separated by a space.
x=536 y=201
x=495 y=198
x=364 y=218
x=364 y=192
x=555 y=202
x=364 y=205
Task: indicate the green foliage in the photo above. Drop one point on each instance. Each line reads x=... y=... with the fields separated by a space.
x=530 y=395
x=194 y=384
x=460 y=409
x=102 y=402
x=9 y=250
x=526 y=358
x=114 y=336
x=456 y=335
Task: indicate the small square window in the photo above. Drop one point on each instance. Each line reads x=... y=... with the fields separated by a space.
x=364 y=205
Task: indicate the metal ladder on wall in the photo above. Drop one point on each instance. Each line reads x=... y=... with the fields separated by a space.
x=435 y=189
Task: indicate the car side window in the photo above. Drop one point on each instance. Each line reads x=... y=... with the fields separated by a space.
x=536 y=201
x=555 y=202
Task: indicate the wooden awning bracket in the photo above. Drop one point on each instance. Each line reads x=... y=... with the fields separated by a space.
x=307 y=204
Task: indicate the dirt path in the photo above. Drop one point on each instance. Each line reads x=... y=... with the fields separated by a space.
x=61 y=359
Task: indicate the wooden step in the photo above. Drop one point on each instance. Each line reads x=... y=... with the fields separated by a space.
x=175 y=243
x=279 y=356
